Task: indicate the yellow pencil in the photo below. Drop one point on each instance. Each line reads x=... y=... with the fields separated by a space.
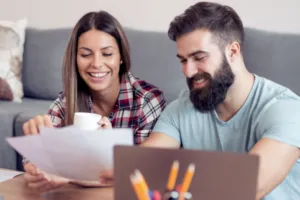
x=173 y=175
x=139 y=187
x=187 y=180
x=141 y=177
x=136 y=186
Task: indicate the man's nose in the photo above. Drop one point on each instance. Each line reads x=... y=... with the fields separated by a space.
x=189 y=69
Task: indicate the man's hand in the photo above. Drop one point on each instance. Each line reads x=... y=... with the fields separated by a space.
x=155 y=140
x=161 y=140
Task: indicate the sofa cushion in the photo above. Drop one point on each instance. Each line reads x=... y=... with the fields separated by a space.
x=36 y=108
x=30 y=106
x=7 y=154
x=154 y=60
x=12 y=116
x=22 y=112
x=12 y=37
x=42 y=67
x=274 y=56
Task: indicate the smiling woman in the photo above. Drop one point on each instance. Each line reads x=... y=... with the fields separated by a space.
x=97 y=79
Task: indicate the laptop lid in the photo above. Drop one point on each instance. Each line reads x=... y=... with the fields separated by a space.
x=218 y=175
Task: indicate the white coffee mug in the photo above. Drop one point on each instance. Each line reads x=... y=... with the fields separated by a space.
x=87 y=121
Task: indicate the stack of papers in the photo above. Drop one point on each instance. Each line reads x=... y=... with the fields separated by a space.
x=71 y=152
x=8 y=174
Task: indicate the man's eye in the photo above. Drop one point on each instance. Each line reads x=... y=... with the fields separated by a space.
x=199 y=58
x=182 y=61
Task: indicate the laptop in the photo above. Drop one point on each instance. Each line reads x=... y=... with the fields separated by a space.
x=217 y=176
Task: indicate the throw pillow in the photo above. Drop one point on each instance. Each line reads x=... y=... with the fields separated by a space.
x=12 y=38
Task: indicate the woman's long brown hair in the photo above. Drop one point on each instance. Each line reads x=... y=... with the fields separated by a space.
x=76 y=90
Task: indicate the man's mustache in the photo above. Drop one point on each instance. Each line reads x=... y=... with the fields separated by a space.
x=198 y=77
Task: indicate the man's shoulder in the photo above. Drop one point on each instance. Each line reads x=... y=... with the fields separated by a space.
x=275 y=101
x=182 y=104
x=270 y=89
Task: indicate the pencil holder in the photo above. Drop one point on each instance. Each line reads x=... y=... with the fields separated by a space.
x=143 y=192
x=174 y=195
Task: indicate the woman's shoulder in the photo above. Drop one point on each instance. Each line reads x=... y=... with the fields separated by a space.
x=61 y=97
x=142 y=87
x=60 y=100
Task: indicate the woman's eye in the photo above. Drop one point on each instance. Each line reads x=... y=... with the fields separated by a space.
x=107 y=54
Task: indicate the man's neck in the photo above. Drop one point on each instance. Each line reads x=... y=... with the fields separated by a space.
x=236 y=96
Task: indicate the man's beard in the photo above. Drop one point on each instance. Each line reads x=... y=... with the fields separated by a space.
x=209 y=97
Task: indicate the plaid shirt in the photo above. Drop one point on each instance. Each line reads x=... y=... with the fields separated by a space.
x=138 y=107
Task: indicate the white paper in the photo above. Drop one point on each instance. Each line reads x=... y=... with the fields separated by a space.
x=8 y=174
x=72 y=153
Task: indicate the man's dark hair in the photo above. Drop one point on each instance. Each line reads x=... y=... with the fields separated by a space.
x=222 y=21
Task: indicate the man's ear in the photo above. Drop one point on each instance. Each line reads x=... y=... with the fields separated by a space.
x=233 y=51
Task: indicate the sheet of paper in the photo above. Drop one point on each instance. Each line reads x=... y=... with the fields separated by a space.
x=8 y=174
x=31 y=147
x=72 y=153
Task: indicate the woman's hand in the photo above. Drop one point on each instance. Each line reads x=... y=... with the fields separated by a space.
x=104 y=123
x=39 y=180
x=107 y=176
x=32 y=127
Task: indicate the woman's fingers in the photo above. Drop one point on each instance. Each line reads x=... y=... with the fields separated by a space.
x=32 y=126
x=104 y=123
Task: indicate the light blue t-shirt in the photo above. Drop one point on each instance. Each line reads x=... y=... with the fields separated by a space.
x=270 y=111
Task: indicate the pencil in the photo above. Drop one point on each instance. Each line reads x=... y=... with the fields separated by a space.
x=187 y=180
x=136 y=186
x=173 y=175
x=140 y=187
x=141 y=177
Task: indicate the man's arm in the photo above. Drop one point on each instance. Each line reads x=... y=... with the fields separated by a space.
x=160 y=140
x=276 y=160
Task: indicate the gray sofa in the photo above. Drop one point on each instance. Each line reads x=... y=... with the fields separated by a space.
x=273 y=55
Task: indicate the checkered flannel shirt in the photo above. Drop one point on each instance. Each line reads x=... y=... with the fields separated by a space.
x=138 y=107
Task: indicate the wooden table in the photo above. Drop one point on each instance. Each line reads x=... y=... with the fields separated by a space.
x=16 y=189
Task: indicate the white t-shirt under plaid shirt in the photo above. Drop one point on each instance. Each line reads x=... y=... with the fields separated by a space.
x=138 y=107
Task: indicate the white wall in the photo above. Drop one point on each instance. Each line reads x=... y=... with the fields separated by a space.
x=274 y=15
